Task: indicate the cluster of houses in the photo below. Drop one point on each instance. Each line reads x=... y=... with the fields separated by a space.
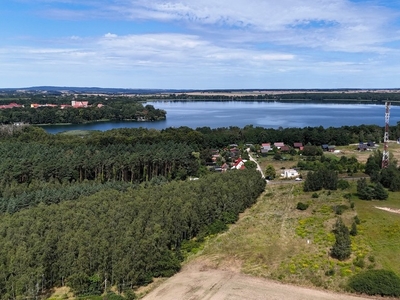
x=234 y=153
x=74 y=104
x=11 y=105
x=266 y=147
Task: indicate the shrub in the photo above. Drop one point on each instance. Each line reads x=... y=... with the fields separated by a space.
x=339 y=209
x=330 y=272
x=314 y=195
x=347 y=196
x=353 y=230
x=357 y=220
x=343 y=184
x=376 y=282
x=302 y=206
x=359 y=262
x=342 y=247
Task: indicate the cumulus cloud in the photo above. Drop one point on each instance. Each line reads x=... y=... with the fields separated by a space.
x=257 y=41
x=340 y=25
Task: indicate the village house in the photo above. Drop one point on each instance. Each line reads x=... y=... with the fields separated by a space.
x=298 y=145
x=265 y=147
x=289 y=173
x=285 y=148
x=362 y=147
x=279 y=145
x=239 y=164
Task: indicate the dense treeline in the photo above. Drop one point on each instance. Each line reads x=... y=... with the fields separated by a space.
x=25 y=162
x=207 y=138
x=117 y=111
x=342 y=165
x=119 y=238
x=17 y=197
x=305 y=96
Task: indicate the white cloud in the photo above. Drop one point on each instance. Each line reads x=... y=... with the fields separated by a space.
x=218 y=44
x=338 y=25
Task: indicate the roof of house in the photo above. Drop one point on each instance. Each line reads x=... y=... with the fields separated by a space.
x=266 y=145
x=298 y=145
x=285 y=148
x=279 y=144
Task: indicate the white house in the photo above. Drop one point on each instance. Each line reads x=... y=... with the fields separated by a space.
x=289 y=173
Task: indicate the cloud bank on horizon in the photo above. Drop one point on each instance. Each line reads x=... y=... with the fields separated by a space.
x=201 y=44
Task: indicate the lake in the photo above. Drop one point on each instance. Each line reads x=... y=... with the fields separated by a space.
x=263 y=114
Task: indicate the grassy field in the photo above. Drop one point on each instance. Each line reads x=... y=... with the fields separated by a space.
x=275 y=240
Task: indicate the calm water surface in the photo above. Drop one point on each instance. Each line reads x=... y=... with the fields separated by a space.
x=268 y=115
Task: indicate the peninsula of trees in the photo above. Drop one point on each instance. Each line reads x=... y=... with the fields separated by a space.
x=52 y=109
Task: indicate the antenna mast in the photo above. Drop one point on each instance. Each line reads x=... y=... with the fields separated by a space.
x=385 y=156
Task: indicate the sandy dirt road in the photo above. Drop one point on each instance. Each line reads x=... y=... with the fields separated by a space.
x=198 y=282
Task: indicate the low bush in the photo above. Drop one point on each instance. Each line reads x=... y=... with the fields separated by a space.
x=343 y=184
x=376 y=282
x=302 y=206
x=339 y=209
x=314 y=195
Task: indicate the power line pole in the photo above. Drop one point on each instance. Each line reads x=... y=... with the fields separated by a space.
x=385 y=156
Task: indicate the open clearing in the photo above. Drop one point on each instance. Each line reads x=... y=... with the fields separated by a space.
x=278 y=252
x=273 y=241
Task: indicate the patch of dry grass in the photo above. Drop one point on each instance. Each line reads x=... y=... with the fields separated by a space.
x=275 y=240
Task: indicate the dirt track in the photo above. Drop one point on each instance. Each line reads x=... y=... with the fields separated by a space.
x=198 y=282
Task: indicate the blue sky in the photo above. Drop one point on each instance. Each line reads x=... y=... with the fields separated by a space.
x=202 y=44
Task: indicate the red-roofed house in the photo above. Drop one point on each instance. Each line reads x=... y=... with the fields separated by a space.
x=239 y=164
x=279 y=144
x=298 y=146
x=265 y=147
x=11 y=105
x=285 y=148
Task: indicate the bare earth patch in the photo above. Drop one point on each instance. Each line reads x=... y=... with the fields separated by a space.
x=396 y=211
x=201 y=281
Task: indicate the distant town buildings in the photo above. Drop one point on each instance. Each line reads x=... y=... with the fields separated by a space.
x=11 y=105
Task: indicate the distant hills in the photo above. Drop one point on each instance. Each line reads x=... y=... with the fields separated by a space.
x=90 y=90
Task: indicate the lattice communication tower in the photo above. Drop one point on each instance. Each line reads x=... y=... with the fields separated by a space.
x=385 y=156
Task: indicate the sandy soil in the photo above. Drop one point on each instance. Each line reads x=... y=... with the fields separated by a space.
x=197 y=281
x=396 y=211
